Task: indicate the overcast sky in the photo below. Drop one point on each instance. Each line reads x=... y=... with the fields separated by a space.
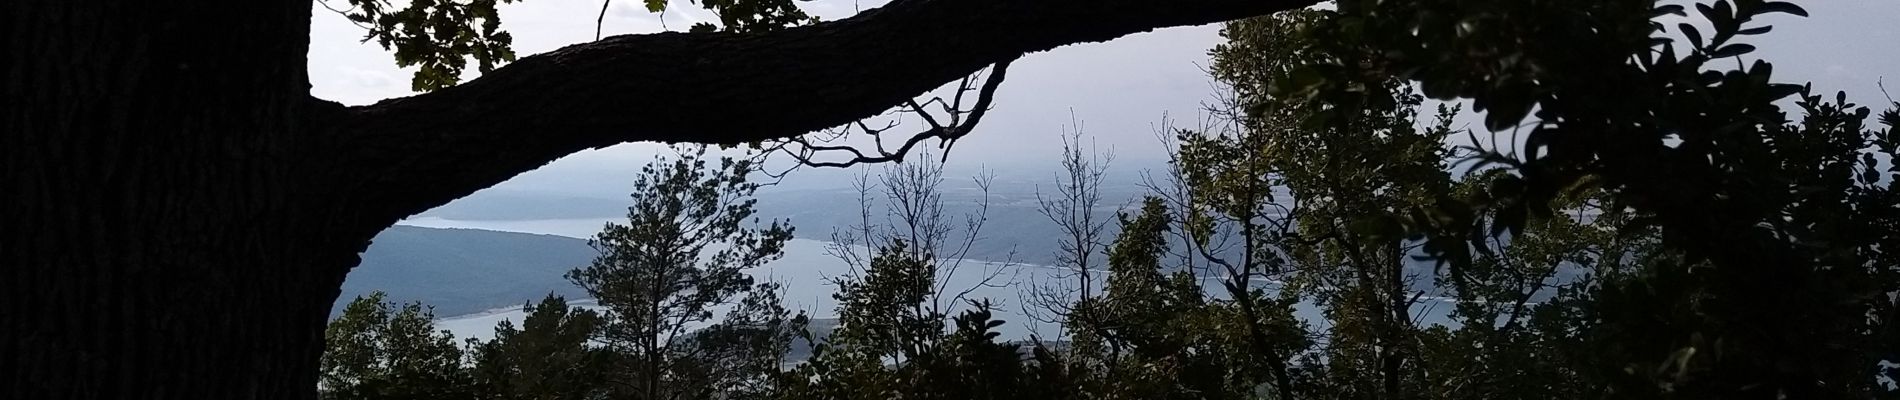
x=1119 y=90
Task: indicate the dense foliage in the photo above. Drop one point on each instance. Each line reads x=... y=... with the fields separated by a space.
x=378 y=350
x=440 y=37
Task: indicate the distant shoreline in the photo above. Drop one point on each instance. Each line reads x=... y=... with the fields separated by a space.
x=586 y=303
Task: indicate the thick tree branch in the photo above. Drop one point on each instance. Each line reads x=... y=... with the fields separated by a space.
x=426 y=150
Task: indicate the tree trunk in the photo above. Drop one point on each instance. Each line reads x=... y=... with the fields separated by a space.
x=163 y=245
x=183 y=212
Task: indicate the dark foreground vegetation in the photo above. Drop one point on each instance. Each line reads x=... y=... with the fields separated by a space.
x=1657 y=217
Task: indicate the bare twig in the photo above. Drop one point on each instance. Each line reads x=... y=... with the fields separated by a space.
x=602 y=19
x=947 y=134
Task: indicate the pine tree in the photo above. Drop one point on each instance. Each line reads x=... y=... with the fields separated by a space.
x=553 y=356
x=680 y=259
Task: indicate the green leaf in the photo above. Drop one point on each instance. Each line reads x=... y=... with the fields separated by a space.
x=1781 y=7
x=656 y=5
x=1695 y=36
x=1509 y=105
x=1381 y=226
x=1672 y=9
x=1510 y=221
x=1300 y=80
x=1782 y=90
x=1732 y=50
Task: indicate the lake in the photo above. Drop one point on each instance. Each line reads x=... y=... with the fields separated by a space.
x=807 y=271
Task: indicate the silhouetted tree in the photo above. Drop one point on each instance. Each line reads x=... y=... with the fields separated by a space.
x=681 y=259
x=378 y=350
x=552 y=356
x=180 y=177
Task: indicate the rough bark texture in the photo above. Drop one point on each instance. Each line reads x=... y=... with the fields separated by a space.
x=181 y=212
x=162 y=239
